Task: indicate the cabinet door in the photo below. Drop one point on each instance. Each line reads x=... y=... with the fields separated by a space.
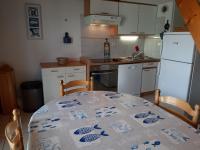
x=147 y=19
x=75 y=76
x=101 y=6
x=51 y=82
x=129 y=14
x=129 y=78
x=178 y=47
x=148 y=80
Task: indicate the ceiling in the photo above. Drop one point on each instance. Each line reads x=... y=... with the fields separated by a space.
x=149 y=1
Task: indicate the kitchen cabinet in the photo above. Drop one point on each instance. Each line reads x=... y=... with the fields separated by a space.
x=137 y=19
x=129 y=14
x=147 y=19
x=101 y=7
x=75 y=73
x=8 y=99
x=129 y=78
x=51 y=78
x=149 y=75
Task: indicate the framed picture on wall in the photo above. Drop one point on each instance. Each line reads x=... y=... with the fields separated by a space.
x=33 y=21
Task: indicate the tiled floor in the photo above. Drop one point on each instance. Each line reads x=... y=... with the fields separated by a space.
x=4 y=119
x=25 y=119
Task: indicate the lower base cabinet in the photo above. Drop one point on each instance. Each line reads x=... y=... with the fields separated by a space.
x=148 y=80
x=51 y=78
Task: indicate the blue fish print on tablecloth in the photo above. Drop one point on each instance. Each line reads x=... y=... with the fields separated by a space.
x=49 y=143
x=144 y=114
x=106 y=111
x=77 y=115
x=148 y=145
x=92 y=137
x=152 y=120
x=82 y=93
x=86 y=130
x=134 y=147
x=68 y=104
x=121 y=126
x=113 y=95
x=156 y=143
x=43 y=109
x=175 y=135
x=45 y=125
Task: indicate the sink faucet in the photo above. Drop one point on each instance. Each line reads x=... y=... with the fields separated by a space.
x=137 y=54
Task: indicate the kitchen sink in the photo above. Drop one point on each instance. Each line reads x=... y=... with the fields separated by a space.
x=132 y=59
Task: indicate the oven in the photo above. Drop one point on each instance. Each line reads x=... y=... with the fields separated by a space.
x=105 y=77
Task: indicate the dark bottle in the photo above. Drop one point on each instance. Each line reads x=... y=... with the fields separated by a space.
x=106 y=49
x=167 y=25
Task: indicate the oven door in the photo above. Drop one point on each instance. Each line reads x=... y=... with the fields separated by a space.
x=105 y=80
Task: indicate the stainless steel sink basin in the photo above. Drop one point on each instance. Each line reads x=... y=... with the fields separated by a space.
x=135 y=59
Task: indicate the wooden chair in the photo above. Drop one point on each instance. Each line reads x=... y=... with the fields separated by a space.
x=182 y=105
x=76 y=86
x=13 y=132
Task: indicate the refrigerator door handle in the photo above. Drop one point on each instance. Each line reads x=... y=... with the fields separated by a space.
x=175 y=43
x=132 y=67
x=159 y=66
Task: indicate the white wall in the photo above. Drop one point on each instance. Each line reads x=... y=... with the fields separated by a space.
x=25 y=55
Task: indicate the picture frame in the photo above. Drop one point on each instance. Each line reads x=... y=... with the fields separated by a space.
x=33 y=21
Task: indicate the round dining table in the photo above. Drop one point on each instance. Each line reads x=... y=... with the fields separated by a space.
x=104 y=120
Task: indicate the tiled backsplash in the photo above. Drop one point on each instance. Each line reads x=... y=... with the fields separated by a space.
x=93 y=38
x=94 y=47
x=152 y=47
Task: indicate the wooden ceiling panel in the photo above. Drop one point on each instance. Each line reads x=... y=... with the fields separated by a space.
x=190 y=10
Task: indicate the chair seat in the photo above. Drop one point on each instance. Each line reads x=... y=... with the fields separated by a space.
x=180 y=104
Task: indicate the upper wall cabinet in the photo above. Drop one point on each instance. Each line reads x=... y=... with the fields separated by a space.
x=101 y=7
x=147 y=19
x=139 y=19
x=129 y=14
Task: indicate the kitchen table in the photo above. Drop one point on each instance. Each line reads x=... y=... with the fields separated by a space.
x=100 y=120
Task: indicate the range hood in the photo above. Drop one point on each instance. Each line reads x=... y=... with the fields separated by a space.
x=102 y=19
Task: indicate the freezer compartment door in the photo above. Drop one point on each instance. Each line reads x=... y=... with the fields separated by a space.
x=178 y=48
x=174 y=79
x=129 y=78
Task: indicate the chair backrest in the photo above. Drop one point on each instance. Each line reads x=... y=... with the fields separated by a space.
x=75 y=86
x=182 y=105
x=13 y=132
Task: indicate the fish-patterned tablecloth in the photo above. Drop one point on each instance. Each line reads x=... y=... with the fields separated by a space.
x=100 y=120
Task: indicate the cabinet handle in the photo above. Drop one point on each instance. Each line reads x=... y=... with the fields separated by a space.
x=71 y=75
x=54 y=70
x=76 y=69
x=60 y=76
x=147 y=70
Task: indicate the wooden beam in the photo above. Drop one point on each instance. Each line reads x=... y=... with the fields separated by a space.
x=190 y=10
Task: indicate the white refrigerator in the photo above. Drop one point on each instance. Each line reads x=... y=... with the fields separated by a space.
x=177 y=68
